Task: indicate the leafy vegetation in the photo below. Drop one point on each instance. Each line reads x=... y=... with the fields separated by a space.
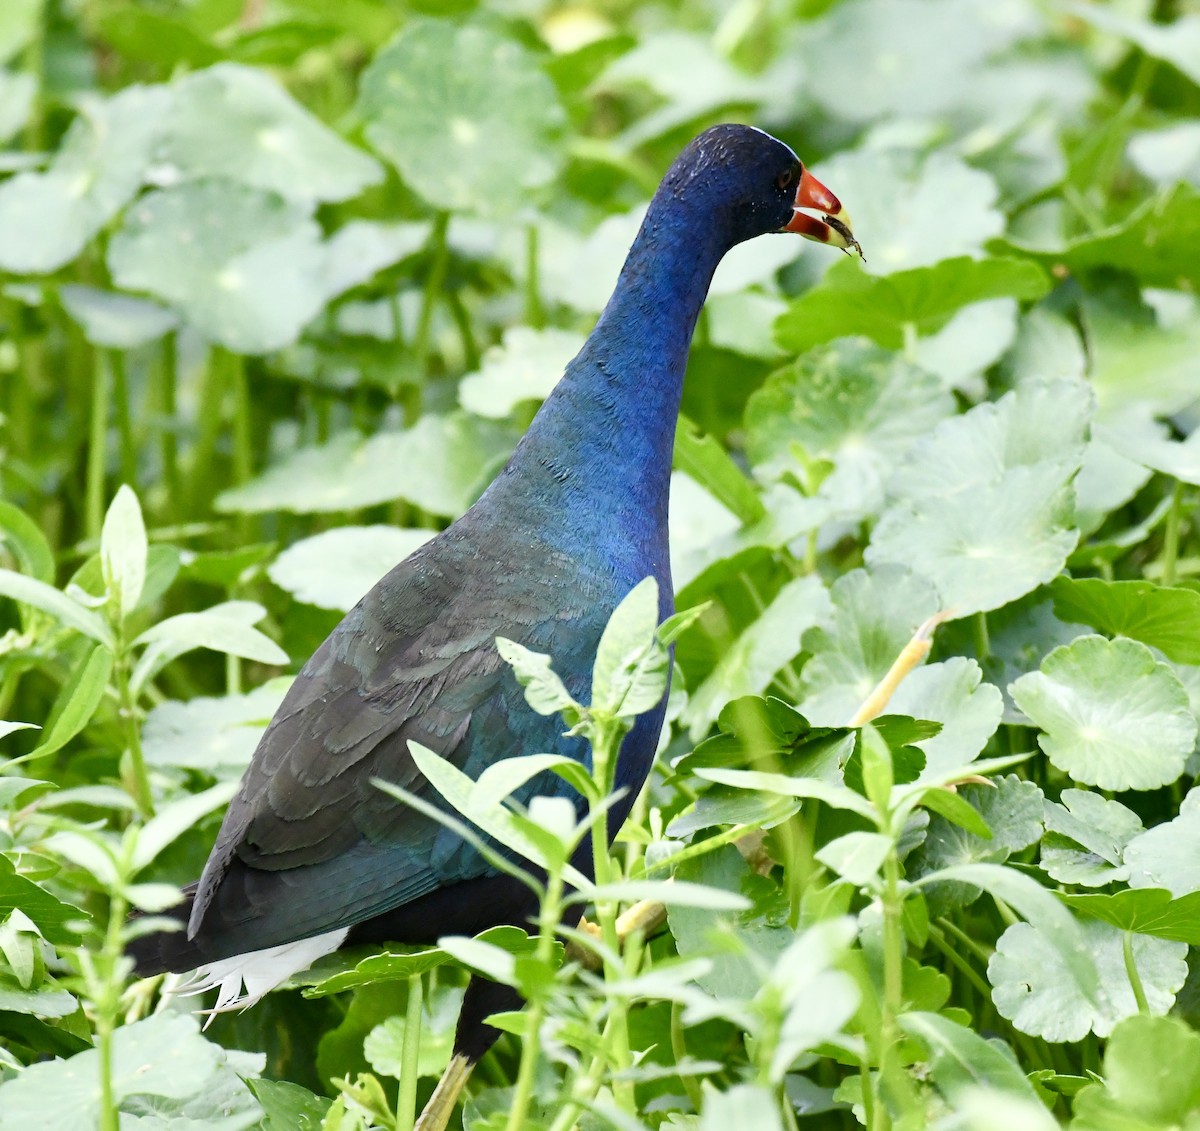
x=280 y=284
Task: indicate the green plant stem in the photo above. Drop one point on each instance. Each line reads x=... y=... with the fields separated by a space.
x=909 y=330
x=1170 y=553
x=959 y=963
x=983 y=640
x=124 y=417
x=406 y=1100
x=535 y=315
x=104 y=985
x=979 y=951
x=422 y=347
x=1135 y=979
x=127 y=708
x=679 y=1051
x=97 y=443
x=548 y=918
x=209 y=413
x=168 y=445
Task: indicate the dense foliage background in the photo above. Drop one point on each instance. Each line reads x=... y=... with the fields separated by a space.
x=297 y=272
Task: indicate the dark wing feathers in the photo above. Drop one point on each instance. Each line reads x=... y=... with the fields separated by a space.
x=309 y=843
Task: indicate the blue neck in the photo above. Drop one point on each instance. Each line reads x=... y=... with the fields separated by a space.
x=600 y=448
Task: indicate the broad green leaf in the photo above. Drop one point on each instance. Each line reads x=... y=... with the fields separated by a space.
x=214 y=735
x=1033 y=988
x=703 y=532
x=632 y=667
x=949 y=211
x=524 y=367
x=1168 y=855
x=490 y=961
x=465 y=114
x=951 y=693
x=1169 y=154
x=921 y=300
x=17 y=93
x=335 y=568
x=54 y=918
x=47 y=218
x=852 y=404
x=544 y=691
x=736 y=970
x=236 y=122
x=23 y=538
x=29 y=591
x=287 y=1106
x=1151 y=1079
x=673 y=893
x=242 y=266
x=161 y=1056
x=1179 y=459
x=123 y=549
x=221 y=629
x=875 y=614
x=42 y=1001
x=743 y=1105
x=118 y=321
x=1056 y=927
x=440 y=465
x=1085 y=839
x=972 y=341
x=1148 y=911
x=78 y=701
x=384 y=1045
x=1177 y=41
x=749 y=664
x=961 y=1058
x=836 y=796
x=19 y=21
x=1111 y=714
x=1011 y=810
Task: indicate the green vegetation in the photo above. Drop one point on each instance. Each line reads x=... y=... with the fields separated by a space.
x=281 y=281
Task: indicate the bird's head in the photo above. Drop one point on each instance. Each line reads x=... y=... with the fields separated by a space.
x=748 y=183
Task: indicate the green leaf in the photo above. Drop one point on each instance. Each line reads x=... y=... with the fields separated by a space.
x=748 y=665
x=707 y=463
x=222 y=628
x=395 y=965
x=78 y=701
x=29 y=591
x=1113 y=716
x=466 y=115
x=447 y=462
x=851 y=301
x=238 y=123
x=672 y=893
x=950 y=209
x=24 y=539
x=857 y=857
x=875 y=614
x=1179 y=459
x=1167 y=856
x=836 y=796
x=1148 y=911
x=244 y=267
x=631 y=669
x=524 y=367
x=743 y=1105
x=123 y=549
x=19 y=22
x=1151 y=1079
x=961 y=1059
x=1178 y=42
x=172 y=820
x=544 y=691
x=1165 y=618
x=384 y=1045
x=54 y=918
x=850 y=403
x=118 y=321
x=335 y=568
x=17 y=93
x=1034 y=990
x=288 y=1107
x=216 y=735
x=161 y=1056
x=1085 y=839
x=47 y=218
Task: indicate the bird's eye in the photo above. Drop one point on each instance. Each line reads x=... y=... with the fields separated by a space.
x=787 y=177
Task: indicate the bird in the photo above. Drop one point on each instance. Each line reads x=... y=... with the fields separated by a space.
x=311 y=855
